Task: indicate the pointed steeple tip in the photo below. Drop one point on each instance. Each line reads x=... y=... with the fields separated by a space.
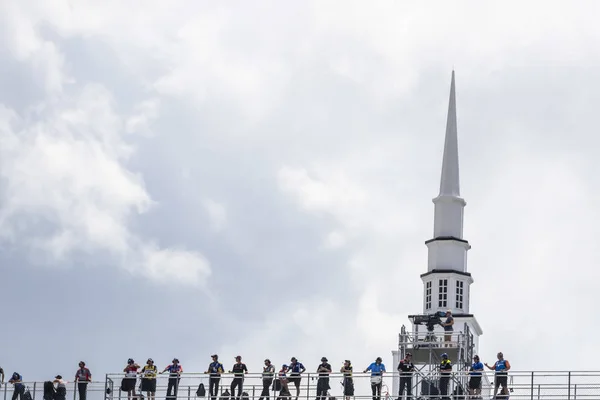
x=450 y=185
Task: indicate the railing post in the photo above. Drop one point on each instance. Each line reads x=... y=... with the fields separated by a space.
x=569 y=387
x=575 y=392
x=75 y=390
x=308 y=386
x=531 y=385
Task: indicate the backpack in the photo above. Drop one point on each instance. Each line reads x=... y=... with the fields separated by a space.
x=201 y=392
x=245 y=396
x=225 y=395
x=27 y=395
x=277 y=385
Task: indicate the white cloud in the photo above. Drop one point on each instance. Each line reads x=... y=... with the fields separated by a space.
x=64 y=166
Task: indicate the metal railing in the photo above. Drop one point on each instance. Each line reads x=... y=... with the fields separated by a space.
x=531 y=385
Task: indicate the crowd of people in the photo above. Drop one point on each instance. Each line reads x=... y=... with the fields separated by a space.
x=288 y=377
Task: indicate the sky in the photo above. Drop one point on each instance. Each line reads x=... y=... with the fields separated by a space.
x=255 y=178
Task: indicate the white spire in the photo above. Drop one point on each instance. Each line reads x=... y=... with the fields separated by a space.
x=450 y=184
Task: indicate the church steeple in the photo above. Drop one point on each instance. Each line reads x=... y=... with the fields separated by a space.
x=447 y=280
x=450 y=182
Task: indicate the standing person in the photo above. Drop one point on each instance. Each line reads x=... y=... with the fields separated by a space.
x=61 y=388
x=348 y=382
x=17 y=380
x=324 y=369
x=448 y=328
x=267 y=379
x=475 y=377
x=296 y=369
x=149 y=373
x=215 y=369
x=130 y=379
x=83 y=376
x=377 y=369
x=501 y=368
x=175 y=371
x=1 y=376
x=406 y=369
x=284 y=393
x=238 y=370
x=445 y=372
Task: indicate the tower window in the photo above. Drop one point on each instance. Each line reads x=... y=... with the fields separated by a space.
x=459 y=294
x=428 y=295
x=443 y=293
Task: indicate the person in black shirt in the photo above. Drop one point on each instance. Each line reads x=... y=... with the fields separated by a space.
x=238 y=370
x=406 y=369
x=215 y=369
x=348 y=382
x=324 y=370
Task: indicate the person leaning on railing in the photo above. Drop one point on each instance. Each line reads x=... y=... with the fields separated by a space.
x=238 y=370
x=83 y=376
x=215 y=369
x=296 y=369
x=267 y=379
x=149 y=372
x=348 y=382
x=501 y=368
x=17 y=380
x=475 y=373
x=324 y=369
x=405 y=370
x=61 y=388
x=377 y=369
x=445 y=372
x=175 y=370
x=130 y=379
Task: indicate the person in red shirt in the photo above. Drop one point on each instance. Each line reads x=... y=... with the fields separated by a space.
x=83 y=376
x=130 y=379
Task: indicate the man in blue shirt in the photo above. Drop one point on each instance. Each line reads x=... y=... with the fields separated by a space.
x=215 y=369
x=175 y=370
x=377 y=369
x=475 y=373
x=17 y=380
x=296 y=368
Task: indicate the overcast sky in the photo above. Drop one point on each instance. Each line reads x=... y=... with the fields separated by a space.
x=188 y=177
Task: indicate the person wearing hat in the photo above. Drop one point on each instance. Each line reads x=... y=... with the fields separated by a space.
x=83 y=376
x=149 y=373
x=175 y=370
x=129 y=381
x=296 y=369
x=448 y=328
x=61 y=388
x=215 y=369
x=377 y=369
x=238 y=370
x=445 y=371
x=475 y=380
x=324 y=369
x=406 y=369
x=348 y=382
x=284 y=391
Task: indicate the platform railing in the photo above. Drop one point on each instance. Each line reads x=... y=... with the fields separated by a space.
x=529 y=385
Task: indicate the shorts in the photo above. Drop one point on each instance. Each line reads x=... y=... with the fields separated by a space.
x=475 y=382
x=149 y=385
x=128 y=384
x=501 y=380
x=295 y=379
x=348 y=387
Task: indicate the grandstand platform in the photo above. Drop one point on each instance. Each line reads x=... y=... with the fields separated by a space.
x=525 y=385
